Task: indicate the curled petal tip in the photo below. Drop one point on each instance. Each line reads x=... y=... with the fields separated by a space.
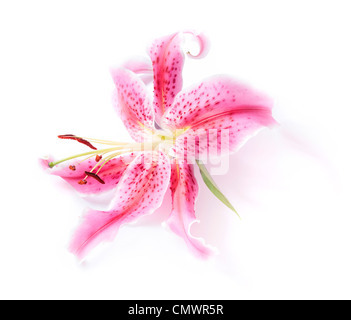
x=203 y=42
x=204 y=250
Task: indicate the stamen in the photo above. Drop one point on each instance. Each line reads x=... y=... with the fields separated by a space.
x=122 y=148
x=96 y=157
x=107 y=159
x=85 y=159
x=73 y=168
x=82 y=181
x=95 y=176
x=89 y=154
x=81 y=140
x=108 y=142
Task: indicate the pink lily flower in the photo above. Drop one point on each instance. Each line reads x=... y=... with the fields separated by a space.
x=171 y=131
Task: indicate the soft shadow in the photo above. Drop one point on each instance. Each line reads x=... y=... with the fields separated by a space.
x=254 y=169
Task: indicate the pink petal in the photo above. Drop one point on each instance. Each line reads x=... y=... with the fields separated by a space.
x=222 y=134
x=110 y=173
x=184 y=193
x=132 y=103
x=142 y=67
x=212 y=97
x=139 y=192
x=217 y=108
x=138 y=65
x=167 y=60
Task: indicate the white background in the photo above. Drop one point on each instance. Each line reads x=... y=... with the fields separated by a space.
x=290 y=184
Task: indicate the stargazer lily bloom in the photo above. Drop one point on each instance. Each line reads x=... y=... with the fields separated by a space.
x=174 y=130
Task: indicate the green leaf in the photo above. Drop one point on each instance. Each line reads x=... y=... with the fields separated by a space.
x=213 y=187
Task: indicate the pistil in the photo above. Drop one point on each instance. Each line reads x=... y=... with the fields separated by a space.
x=54 y=163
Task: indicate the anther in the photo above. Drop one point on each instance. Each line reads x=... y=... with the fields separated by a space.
x=98 y=158
x=95 y=176
x=73 y=168
x=82 y=181
x=81 y=140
